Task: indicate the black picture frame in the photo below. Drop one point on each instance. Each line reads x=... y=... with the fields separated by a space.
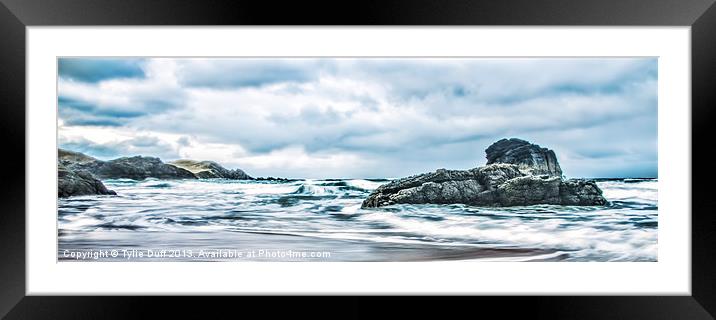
x=700 y=15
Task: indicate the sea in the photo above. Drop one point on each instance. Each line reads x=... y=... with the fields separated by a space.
x=322 y=220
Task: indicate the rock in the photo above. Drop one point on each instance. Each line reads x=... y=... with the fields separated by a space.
x=518 y=174
x=492 y=176
x=475 y=187
x=139 y=168
x=210 y=170
x=441 y=175
x=456 y=191
x=66 y=156
x=529 y=190
x=581 y=192
x=76 y=183
x=531 y=158
x=136 y=168
x=275 y=179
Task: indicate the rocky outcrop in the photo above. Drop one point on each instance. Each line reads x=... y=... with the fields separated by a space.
x=136 y=168
x=441 y=187
x=77 y=183
x=278 y=179
x=210 y=170
x=72 y=157
x=140 y=168
x=531 y=158
x=515 y=183
x=581 y=192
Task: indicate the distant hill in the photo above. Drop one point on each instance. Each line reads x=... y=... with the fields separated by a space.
x=72 y=156
x=210 y=169
x=143 y=167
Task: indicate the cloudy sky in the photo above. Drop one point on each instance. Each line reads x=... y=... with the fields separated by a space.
x=362 y=118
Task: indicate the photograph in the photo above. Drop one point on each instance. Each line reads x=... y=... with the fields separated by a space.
x=548 y=155
x=357 y=159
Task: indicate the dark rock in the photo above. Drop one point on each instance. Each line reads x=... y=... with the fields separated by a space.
x=531 y=158
x=77 y=183
x=275 y=179
x=456 y=191
x=581 y=192
x=136 y=168
x=529 y=190
x=441 y=175
x=475 y=187
x=531 y=177
x=139 y=168
x=210 y=170
x=492 y=176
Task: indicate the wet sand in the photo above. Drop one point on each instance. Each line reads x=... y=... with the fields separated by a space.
x=239 y=246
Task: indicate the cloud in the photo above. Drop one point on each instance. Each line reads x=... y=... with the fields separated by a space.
x=84 y=113
x=98 y=69
x=377 y=117
x=231 y=73
x=117 y=101
x=140 y=145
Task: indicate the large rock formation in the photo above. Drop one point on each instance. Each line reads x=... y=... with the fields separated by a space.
x=137 y=168
x=529 y=157
x=78 y=173
x=77 y=183
x=210 y=169
x=518 y=173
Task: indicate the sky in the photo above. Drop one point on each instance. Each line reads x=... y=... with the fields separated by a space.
x=362 y=117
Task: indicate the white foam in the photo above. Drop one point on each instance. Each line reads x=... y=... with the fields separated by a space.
x=365 y=184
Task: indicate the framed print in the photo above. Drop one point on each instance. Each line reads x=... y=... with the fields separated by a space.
x=555 y=153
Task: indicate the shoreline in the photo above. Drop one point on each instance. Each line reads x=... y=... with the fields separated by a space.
x=285 y=248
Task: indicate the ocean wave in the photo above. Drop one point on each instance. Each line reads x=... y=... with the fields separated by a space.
x=645 y=191
x=143 y=211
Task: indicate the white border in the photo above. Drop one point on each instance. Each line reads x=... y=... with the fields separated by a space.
x=670 y=275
